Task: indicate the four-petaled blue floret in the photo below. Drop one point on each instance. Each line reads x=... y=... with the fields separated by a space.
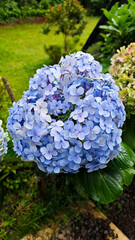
x=70 y=118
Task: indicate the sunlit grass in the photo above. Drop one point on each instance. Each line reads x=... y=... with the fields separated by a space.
x=22 y=51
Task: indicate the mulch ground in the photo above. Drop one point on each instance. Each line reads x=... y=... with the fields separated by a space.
x=84 y=227
x=122 y=212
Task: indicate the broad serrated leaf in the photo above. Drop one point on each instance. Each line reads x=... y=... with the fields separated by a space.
x=125 y=159
x=107 y=185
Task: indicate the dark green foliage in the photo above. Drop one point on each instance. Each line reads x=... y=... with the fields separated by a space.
x=97 y=5
x=55 y=52
x=120 y=30
x=107 y=185
x=9 y=4
x=11 y=10
x=1 y=194
x=94 y=50
x=128 y=135
x=44 y=4
x=6 y=15
x=94 y=7
x=33 y=13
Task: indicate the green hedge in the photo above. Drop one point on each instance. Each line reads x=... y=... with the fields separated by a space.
x=6 y=15
x=11 y=10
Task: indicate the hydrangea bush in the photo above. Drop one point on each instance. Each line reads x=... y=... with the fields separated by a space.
x=3 y=141
x=70 y=118
x=123 y=71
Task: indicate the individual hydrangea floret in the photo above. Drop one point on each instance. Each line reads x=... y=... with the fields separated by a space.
x=123 y=71
x=70 y=118
x=3 y=141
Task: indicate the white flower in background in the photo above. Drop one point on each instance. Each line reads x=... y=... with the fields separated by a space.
x=3 y=141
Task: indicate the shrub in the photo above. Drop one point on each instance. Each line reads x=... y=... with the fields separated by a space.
x=69 y=19
x=120 y=30
x=8 y=4
x=54 y=51
x=6 y=15
x=11 y=10
x=44 y=4
x=31 y=12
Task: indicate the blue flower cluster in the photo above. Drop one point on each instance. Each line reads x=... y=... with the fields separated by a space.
x=3 y=141
x=69 y=118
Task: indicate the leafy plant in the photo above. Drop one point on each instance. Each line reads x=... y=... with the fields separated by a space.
x=13 y=15
x=69 y=19
x=31 y=12
x=54 y=51
x=44 y=4
x=11 y=10
x=120 y=30
x=9 y=4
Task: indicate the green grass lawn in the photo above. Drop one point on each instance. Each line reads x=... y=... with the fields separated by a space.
x=22 y=51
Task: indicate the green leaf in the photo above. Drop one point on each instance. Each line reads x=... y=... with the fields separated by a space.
x=112 y=12
x=131 y=1
x=106 y=185
x=114 y=22
x=128 y=134
x=110 y=28
x=130 y=29
x=1 y=194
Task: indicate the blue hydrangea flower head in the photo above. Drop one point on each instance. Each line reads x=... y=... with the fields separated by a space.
x=3 y=141
x=70 y=118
